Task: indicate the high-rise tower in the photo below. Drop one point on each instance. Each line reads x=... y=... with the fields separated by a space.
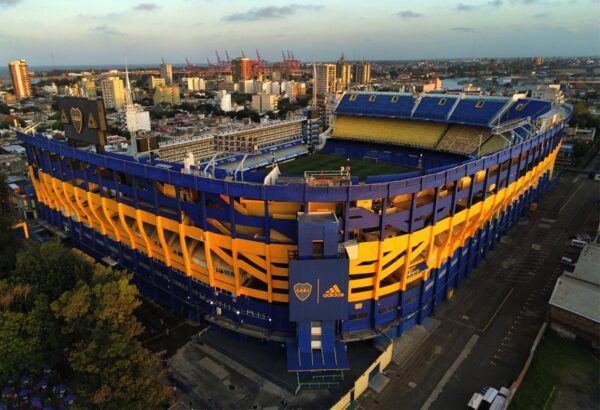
x=343 y=71
x=240 y=69
x=325 y=78
x=166 y=72
x=361 y=73
x=20 y=78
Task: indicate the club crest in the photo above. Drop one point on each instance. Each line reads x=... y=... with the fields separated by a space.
x=77 y=119
x=302 y=291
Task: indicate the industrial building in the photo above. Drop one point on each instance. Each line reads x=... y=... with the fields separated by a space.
x=574 y=308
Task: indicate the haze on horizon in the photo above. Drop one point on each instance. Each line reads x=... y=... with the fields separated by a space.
x=143 y=31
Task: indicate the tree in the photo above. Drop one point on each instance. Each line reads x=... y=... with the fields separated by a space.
x=19 y=343
x=112 y=369
x=8 y=243
x=51 y=268
x=241 y=98
x=582 y=116
x=245 y=113
x=22 y=333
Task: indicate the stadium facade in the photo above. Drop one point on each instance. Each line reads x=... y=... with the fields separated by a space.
x=315 y=265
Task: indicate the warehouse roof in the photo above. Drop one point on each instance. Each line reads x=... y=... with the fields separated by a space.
x=579 y=292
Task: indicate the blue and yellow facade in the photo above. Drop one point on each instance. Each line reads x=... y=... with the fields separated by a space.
x=222 y=250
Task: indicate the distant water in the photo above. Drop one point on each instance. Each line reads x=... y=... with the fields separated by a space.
x=4 y=73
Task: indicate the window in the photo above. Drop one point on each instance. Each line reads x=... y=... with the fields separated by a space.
x=372 y=98
x=224 y=271
x=352 y=97
x=442 y=101
x=479 y=104
x=394 y=99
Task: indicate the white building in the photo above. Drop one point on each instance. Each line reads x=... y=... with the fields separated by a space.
x=275 y=88
x=50 y=89
x=166 y=72
x=113 y=92
x=262 y=87
x=223 y=100
x=325 y=81
x=88 y=87
x=247 y=86
x=194 y=84
x=264 y=102
x=154 y=82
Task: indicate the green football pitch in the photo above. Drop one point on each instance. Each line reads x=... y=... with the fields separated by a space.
x=328 y=162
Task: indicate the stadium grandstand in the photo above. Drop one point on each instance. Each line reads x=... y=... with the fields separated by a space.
x=471 y=125
x=319 y=257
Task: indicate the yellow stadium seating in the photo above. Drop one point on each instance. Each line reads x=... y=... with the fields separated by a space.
x=463 y=138
x=415 y=133
x=496 y=143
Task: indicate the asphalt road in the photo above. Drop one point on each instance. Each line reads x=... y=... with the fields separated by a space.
x=486 y=330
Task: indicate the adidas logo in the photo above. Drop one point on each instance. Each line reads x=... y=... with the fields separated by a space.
x=333 y=292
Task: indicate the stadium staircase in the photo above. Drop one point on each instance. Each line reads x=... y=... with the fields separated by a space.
x=463 y=138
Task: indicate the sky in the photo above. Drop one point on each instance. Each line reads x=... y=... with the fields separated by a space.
x=143 y=31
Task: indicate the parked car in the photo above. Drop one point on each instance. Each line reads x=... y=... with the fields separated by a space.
x=578 y=243
x=567 y=261
x=585 y=237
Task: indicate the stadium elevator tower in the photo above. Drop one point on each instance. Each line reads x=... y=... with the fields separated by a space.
x=318 y=274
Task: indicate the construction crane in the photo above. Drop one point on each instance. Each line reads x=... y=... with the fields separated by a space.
x=219 y=61
x=227 y=56
x=290 y=64
x=243 y=55
x=189 y=65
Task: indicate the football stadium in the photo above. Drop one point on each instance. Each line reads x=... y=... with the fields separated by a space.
x=312 y=240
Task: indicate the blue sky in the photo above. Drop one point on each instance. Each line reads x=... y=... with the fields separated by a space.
x=107 y=31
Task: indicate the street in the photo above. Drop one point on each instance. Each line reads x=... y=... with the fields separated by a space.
x=486 y=330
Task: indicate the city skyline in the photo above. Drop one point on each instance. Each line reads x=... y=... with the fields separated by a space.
x=144 y=31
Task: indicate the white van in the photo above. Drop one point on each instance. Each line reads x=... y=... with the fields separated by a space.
x=566 y=261
x=578 y=243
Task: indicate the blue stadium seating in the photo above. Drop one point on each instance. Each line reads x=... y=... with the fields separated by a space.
x=523 y=131
x=477 y=111
x=526 y=107
x=376 y=105
x=434 y=107
x=280 y=153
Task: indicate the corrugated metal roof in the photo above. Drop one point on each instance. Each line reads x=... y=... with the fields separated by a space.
x=588 y=265
x=579 y=292
x=577 y=296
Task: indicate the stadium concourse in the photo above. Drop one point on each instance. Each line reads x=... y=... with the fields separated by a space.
x=313 y=263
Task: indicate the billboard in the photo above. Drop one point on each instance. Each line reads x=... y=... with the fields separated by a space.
x=318 y=289
x=83 y=119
